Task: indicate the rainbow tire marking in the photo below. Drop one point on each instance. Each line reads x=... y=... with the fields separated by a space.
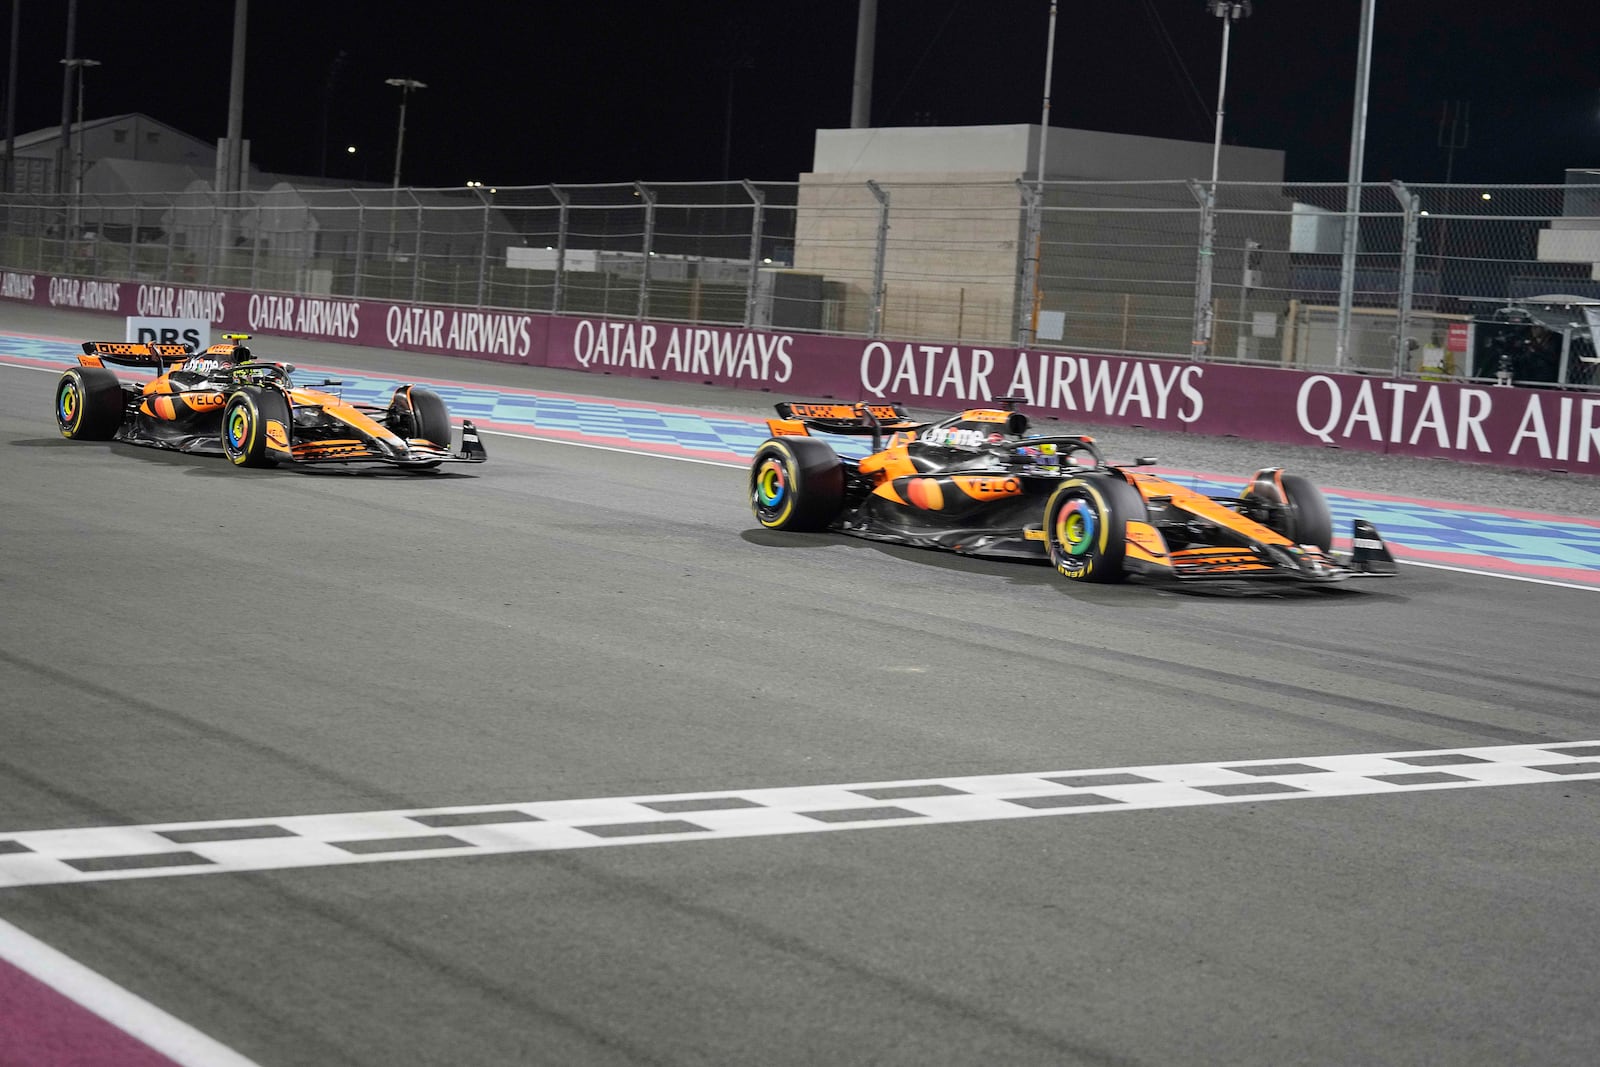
x=771 y=483
x=69 y=405
x=1078 y=521
x=770 y=491
x=1076 y=526
x=238 y=431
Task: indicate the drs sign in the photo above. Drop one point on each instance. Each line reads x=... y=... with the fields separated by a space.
x=193 y=332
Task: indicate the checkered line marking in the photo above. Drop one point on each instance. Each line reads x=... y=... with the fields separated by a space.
x=46 y=857
x=1529 y=541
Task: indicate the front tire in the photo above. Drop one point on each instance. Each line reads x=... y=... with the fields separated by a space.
x=1086 y=527
x=244 y=426
x=1305 y=517
x=89 y=404
x=796 y=483
x=418 y=412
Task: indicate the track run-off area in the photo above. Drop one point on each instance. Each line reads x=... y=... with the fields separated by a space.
x=640 y=742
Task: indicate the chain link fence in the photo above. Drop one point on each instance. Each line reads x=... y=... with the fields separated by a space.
x=1445 y=281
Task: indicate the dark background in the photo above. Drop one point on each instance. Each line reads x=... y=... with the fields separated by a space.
x=617 y=90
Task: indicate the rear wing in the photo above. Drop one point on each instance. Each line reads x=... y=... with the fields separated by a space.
x=132 y=354
x=851 y=419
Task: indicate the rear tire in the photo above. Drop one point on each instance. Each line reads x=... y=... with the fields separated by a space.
x=1086 y=527
x=89 y=404
x=796 y=483
x=244 y=426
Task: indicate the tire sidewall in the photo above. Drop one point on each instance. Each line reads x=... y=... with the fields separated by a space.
x=244 y=426
x=1085 y=525
x=88 y=404
x=427 y=413
x=1310 y=520
x=241 y=427
x=72 y=403
x=796 y=484
x=774 y=504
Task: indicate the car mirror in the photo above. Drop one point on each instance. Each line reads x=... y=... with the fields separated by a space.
x=1145 y=461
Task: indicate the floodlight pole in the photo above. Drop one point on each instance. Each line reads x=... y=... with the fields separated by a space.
x=1035 y=203
x=77 y=149
x=405 y=85
x=861 y=89
x=11 y=99
x=1228 y=11
x=64 y=150
x=74 y=149
x=1352 y=199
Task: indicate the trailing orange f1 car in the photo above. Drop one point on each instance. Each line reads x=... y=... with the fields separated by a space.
x=978 y=484
x=223 y=401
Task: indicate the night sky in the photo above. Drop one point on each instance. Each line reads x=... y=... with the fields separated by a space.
x=541 y=91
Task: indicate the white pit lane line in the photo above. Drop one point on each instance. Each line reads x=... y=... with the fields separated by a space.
x=91 y=854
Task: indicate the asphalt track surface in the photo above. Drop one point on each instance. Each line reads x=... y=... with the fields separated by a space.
x=184 y=643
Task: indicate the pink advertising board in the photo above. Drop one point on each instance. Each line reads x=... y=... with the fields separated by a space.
x=1531 y=428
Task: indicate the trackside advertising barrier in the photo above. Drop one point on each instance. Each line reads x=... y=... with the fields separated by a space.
x=1542 y=429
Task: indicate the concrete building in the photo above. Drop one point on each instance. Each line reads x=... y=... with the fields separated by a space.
x=150 y=200
x=1120 y=232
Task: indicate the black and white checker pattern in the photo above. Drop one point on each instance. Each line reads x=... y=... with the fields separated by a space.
x=40 y=857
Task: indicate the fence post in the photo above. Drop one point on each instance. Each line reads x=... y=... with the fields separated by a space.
x=1410 y=204
x=758 y=201
x=875 y=318
x=561 y=246
x=213 y=240
x=133 y=240
x=649 y=199
x=1204 y=313
x=255 y=250
x=483 y=248
x=172 y=236
x=416 y=248
x=1028 y=275
x=361 y=247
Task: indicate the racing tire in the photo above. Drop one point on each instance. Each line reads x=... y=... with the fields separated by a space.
x=796 y=483
x=89 y=404
x=1307 y=519
x=244 y=426
x=421 y=412
x=1310 y=520
x=1086 y=527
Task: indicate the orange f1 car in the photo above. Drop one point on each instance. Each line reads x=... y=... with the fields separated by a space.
x=221 y=401
x=978 y=484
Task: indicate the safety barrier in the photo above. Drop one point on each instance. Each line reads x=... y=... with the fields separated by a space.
x=1512 y=426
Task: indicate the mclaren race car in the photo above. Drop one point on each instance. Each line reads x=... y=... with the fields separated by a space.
x=223 y=402
x=977 y=483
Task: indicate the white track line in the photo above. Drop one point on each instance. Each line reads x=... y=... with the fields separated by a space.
x=1530 y=579
x=641 y=450
x=170 y=1036
x=41 y=857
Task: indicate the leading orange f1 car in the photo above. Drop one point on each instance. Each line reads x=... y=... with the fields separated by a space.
x=223 y=401
x=978 y=484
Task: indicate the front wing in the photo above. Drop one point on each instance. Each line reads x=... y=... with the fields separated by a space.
x=412 y=452
x=1147 y=554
